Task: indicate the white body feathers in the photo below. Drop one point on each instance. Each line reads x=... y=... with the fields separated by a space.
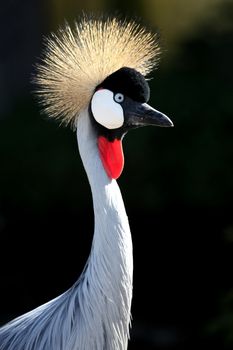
x=94 y=314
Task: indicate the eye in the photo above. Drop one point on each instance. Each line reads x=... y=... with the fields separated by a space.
x=119 y=97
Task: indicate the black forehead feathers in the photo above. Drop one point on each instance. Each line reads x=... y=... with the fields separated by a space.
x=129 y=82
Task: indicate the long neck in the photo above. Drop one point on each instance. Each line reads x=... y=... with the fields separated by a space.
x=110 y=266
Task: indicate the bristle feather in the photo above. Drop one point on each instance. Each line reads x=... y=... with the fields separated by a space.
x=77 y=60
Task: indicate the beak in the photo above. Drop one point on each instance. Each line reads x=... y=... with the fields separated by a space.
x=141 y=114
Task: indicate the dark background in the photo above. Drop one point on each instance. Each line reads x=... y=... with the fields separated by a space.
x=177 y=183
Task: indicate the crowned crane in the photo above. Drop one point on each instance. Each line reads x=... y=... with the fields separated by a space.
x=92 y=77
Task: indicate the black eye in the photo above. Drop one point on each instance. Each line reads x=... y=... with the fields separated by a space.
x=119 y=97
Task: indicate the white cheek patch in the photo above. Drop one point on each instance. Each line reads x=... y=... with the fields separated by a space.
x=105 y=110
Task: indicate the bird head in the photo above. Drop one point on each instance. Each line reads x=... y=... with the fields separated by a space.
x=119 y=104
x=101 y=66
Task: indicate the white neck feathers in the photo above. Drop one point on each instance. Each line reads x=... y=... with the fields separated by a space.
x=110 y=267
x=94 y=314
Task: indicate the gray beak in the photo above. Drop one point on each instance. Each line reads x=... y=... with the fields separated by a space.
x=141 y=114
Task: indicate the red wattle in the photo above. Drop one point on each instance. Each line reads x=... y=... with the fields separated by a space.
x=111 y=155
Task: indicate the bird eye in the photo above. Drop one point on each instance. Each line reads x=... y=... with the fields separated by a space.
x=119 y=97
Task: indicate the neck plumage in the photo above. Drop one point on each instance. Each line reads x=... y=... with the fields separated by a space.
x=107 y=280
x=95 y=312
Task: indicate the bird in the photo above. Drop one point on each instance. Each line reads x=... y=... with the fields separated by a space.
x=93 y=77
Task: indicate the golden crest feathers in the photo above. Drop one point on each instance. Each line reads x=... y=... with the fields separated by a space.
x=76 y=60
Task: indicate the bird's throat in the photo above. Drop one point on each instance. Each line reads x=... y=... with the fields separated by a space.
x=112 y=156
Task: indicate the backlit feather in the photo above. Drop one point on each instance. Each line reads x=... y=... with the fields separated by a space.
x=76 y=60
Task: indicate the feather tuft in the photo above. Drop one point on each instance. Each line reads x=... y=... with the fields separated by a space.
x=76 y=60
